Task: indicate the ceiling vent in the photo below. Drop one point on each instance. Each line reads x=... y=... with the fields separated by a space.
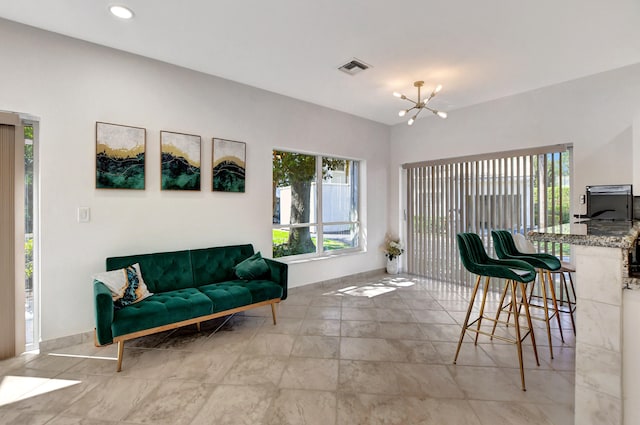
x=354 y=67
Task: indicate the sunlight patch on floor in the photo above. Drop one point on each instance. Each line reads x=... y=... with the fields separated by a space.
x=82 y=356
x=402 y=282
x=16 y=388
x=371 y=290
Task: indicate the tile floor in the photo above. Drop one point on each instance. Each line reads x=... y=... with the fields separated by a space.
x=365 y=351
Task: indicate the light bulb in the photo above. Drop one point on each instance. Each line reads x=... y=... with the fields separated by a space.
x=438 y=88
x=441 y=114
x=411 y=121
x=121 y=12
x=402 y=113
x=396 y=94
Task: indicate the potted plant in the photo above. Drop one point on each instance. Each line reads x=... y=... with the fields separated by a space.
x=392 y=250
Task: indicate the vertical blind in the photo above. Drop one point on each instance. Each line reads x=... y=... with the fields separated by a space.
x=11 y=237
x=518 y=191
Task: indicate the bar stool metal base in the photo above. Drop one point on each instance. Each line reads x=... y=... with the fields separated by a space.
x=549 y=312
x=568 y=305
x=521 y=331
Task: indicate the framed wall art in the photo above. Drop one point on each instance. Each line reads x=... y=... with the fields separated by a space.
x=180 y=161
x=228 y=165
x=120 y=152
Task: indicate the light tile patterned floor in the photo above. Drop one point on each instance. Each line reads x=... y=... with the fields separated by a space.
x=365 y=351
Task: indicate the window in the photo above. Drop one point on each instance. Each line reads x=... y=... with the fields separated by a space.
x=30 y=241
x=311 y=215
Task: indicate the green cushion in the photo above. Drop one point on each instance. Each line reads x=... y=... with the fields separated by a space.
x=506 y=248
x=475 y=260
x=252 y=268
x=227 y=295
x=161 y=309
x=238 y=293
x=212 y=265
x=262 y=290
x=163 y=271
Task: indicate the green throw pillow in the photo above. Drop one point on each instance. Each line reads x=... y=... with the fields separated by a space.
x=252 y=268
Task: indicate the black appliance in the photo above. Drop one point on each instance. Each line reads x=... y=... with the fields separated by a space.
x=610 y=202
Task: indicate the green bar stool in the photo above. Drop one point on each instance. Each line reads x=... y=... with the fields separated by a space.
x=516 y=274
x=545 y=264
x=567 y=305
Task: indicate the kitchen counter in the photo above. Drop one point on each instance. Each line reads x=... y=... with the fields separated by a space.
x=597 y=233
x=608 y=234
x=605 y=312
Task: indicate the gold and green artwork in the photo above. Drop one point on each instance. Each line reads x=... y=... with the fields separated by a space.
x=228 y=165
x=120 y=152
x=180 y=161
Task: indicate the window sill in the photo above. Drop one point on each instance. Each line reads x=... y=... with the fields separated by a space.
x=321 y=257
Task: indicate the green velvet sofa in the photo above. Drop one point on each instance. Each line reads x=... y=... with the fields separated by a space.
x=188 y=287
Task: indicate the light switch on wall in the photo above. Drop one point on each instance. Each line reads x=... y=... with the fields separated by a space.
x=84 y=214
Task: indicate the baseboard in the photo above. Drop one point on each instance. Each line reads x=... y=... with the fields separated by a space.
x=329 y=282
x=65 y=341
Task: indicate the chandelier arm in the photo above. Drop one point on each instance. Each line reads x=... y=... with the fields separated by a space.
x=431 y=96
x=406 y=111
x=436 y=112
x=412 y=101
x=418 y=113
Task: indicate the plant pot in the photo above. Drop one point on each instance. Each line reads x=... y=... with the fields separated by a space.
x=392 y=265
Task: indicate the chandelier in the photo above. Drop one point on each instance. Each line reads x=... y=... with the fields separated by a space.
x=420 y=104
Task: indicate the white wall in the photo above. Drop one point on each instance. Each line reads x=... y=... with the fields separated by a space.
x=71 y=84
x=596 y=114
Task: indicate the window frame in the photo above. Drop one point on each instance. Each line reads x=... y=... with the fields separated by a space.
x=319 y=223
x=30 y=121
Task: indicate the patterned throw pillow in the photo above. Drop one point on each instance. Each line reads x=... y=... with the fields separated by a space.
x=126 y=285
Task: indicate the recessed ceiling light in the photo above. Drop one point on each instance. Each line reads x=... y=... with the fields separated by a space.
x=121 y=12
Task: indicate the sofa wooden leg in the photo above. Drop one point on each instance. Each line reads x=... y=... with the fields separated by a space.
x=95 y=338
x=198 y=326
x=273 y=312
x=120 y=354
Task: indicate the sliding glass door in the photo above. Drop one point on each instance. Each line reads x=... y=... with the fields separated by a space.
x=517 y=191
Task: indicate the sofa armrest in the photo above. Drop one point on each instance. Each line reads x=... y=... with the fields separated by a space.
x=279 y=274
x=103 y=304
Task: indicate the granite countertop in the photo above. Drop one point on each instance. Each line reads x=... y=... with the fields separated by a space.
x=603 y=233
x=599 y=233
